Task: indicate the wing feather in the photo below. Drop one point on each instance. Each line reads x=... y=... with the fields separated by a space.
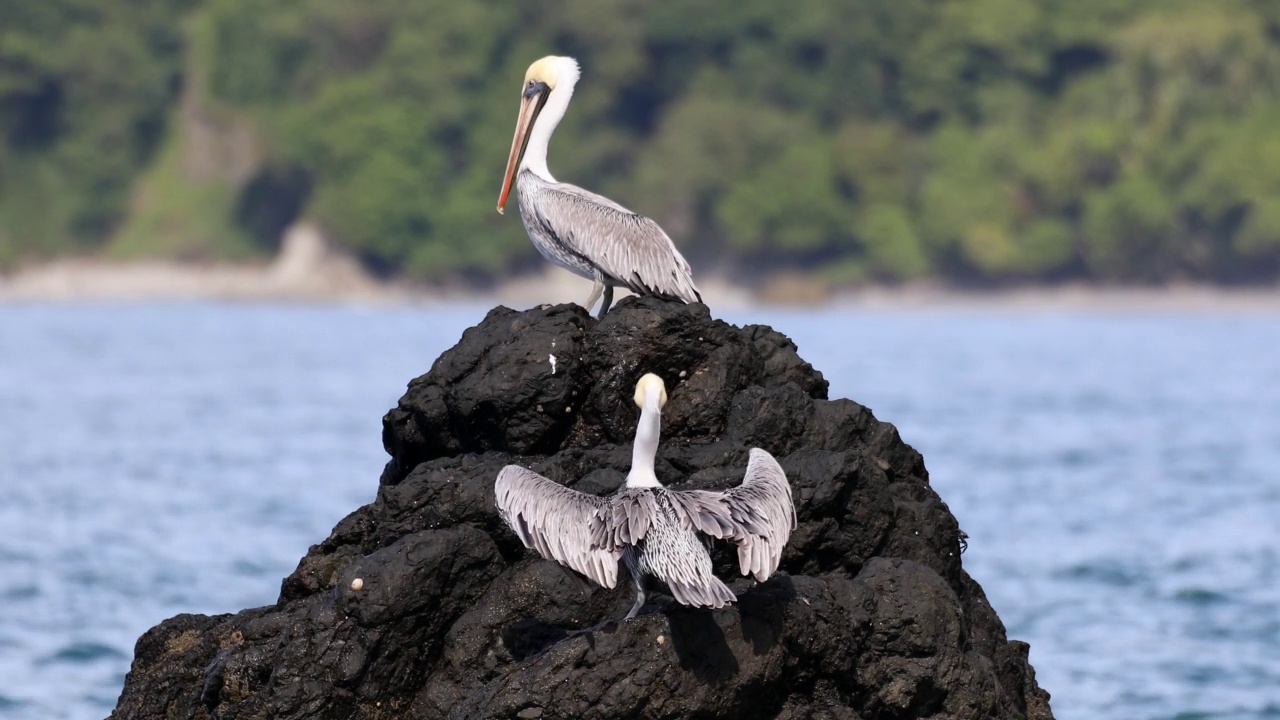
x=758 y=515
x=630 y=248
x=572 y=528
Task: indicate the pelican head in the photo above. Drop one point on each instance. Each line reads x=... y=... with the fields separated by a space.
x=651 y=386
x=541 y=82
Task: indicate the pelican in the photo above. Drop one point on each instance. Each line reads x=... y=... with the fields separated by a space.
x=584 y=233
x=653 y=530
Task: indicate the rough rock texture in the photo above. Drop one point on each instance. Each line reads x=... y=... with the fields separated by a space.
x=871 y=615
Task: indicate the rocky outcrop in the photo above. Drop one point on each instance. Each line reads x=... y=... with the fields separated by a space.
x=423 y=604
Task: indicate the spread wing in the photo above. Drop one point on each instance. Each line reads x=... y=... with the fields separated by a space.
x=628 y=247
x=758 y=515
x=583 y=532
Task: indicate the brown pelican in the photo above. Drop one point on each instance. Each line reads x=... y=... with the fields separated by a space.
x=584 y=233
x=652 y=529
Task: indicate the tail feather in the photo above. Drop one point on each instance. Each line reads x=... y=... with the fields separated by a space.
x=715 y=594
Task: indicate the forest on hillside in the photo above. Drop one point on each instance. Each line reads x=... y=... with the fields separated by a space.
x=977 y=141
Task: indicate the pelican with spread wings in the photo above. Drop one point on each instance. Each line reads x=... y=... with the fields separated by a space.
x=653 y=530
x=582 y=232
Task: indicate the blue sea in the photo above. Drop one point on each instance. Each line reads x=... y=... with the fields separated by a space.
x=1118 y=475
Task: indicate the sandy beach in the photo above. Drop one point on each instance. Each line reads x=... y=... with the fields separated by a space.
x=308 y=271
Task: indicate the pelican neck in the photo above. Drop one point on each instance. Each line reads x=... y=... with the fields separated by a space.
x=535 y=152
x=645 y=449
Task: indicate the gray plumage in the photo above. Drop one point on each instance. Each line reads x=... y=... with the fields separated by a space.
x=585 y=233
x=592 y=236
x=653 y=529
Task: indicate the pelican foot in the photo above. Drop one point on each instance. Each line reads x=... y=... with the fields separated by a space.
x=607 y=625
x=650 y=611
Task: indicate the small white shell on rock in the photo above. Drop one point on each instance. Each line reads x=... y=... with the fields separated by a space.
x=662 y=640
x=357 y=583
x=683 y=373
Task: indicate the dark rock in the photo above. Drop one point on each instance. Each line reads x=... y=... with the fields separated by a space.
x=423 y=605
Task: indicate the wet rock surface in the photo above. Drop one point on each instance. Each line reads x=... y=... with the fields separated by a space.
x=423 y=604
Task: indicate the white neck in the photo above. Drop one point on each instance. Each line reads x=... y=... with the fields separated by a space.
x=646 y=446
x=535 y=153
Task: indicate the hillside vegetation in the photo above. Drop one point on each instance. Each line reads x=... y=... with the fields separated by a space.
x=980 y=141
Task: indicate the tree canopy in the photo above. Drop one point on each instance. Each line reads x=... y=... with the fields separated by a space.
x=981 y=141
x=85 y=88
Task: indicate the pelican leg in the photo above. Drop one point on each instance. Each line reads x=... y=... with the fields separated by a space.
x=641 y=596
x=608 y=300
x=611 y=625
x=595 y=293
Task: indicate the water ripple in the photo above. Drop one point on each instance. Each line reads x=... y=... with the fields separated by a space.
x=1116 y=476
x=83 y=653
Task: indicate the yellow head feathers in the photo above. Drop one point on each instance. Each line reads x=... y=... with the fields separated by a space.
x=553 y=70
x=649 y=385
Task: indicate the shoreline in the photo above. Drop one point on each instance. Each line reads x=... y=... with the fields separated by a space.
x=323 y=278
x=1180 y=299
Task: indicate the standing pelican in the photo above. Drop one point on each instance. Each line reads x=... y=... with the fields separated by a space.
x=652 y=529
x=584 y=233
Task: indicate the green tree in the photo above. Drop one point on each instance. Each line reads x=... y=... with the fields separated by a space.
x=988 y=141
x=84 y=89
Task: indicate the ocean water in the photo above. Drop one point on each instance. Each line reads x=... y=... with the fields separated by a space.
x=1118 y=475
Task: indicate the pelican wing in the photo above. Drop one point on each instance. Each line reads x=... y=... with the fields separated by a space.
x=583 y=532
x=758 y=515
x=628 y=247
